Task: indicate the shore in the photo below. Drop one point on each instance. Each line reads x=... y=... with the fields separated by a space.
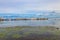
x=16 y=19
x=29 y=33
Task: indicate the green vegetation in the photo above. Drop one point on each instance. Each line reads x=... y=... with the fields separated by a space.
x=17 y=32
x=16 y=36
x=27 y=33
x=2 y=35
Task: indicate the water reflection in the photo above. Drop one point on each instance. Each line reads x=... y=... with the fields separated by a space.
x=50 y=22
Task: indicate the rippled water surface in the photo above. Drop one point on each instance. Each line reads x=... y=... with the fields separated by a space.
x=50 y=22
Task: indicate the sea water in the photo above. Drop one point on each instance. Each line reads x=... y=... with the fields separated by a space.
x=49 y=22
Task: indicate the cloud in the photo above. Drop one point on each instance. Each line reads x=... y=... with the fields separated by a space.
x=23 y=6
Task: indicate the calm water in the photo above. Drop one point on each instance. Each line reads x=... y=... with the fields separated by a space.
x=50 y=22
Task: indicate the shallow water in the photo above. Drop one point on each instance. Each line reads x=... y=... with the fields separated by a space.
x=50 y=22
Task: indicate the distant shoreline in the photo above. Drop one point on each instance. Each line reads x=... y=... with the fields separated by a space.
x=2 y=19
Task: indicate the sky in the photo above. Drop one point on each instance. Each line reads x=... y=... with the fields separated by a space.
x=26 y=6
